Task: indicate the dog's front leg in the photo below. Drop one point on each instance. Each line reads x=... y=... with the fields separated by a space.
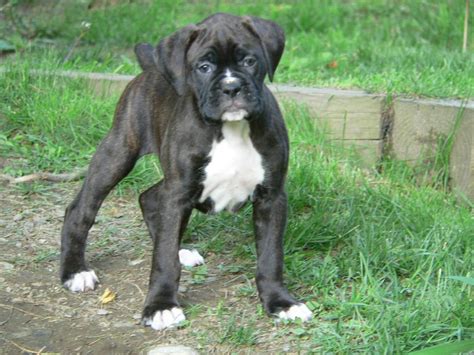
x=269 y=215
x=166 y=216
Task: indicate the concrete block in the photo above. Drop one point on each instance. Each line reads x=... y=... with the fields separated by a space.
x=349 y=114
x=369 y=151
x=420 y=125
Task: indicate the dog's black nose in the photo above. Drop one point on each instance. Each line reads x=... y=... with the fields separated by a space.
x=231 y=87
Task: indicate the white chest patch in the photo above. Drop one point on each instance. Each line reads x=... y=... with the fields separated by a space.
x=235 y=168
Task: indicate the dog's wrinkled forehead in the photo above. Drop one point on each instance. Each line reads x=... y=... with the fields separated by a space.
x=223 y=38
x=221 y=32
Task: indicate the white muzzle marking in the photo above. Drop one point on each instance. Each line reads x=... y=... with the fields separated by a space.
x=237 y=115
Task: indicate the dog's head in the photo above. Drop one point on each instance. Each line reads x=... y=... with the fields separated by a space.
x=222 y=61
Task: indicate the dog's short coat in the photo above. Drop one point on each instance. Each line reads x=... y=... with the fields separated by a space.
x=202 y=106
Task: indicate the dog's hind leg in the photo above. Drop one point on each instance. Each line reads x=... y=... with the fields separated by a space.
x=113 y=160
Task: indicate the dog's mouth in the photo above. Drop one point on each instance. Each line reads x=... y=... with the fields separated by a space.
x=234 y=114
x=235 y=110
x=216 y=107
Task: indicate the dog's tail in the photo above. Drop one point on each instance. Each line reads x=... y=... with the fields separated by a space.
x=145 y=55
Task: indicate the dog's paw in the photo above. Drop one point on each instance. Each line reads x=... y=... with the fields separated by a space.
x=82 y=281
x=190 y=257
x=297 y=311
x=168 y=318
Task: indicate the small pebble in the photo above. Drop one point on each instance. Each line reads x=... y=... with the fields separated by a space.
x=123 y=324
x=137 y=316
x=38 y=221
x=28 y=226
x=102 y=312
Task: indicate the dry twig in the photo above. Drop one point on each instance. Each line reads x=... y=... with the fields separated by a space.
x=9 y=317
x=44 y=176
x=27 y=350
x=4 y=306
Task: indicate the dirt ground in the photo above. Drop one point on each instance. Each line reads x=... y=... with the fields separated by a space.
x=37 y=315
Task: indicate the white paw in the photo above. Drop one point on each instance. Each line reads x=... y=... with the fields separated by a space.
x=296 y=311
x=190 y=257
x=166 y=319
x=82 y=281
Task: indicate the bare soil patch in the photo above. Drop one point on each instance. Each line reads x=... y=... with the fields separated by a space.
x=38 y=315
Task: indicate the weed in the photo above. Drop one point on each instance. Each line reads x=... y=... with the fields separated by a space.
x=246 y=291
x=46 y=255
x=239 y=332
x=194 y=310
x=444 y=149
x=219 y=310
x=198 y=274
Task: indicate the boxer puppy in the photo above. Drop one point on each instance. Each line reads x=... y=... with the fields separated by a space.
x=202 y=106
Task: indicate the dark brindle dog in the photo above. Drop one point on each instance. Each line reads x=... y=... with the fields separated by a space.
x=202 y=107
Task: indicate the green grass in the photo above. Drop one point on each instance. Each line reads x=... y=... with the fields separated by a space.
x=410 y=47
x=239 y=332
x=374 y=253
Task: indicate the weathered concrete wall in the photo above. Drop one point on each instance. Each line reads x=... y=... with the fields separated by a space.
x=358 y=119
x=419 y=127
x=352 y=117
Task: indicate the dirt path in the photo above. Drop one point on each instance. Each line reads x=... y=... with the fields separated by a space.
x=37 y=314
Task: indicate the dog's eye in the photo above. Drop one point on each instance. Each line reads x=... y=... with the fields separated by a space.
x=249 y=61
x=205 y=68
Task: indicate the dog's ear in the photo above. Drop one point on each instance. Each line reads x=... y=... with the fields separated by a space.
x=272 y=40
x=145 y=56
x=170 y=56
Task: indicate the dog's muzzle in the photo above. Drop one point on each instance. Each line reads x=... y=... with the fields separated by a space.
x=231 y=88
x=231 y=99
